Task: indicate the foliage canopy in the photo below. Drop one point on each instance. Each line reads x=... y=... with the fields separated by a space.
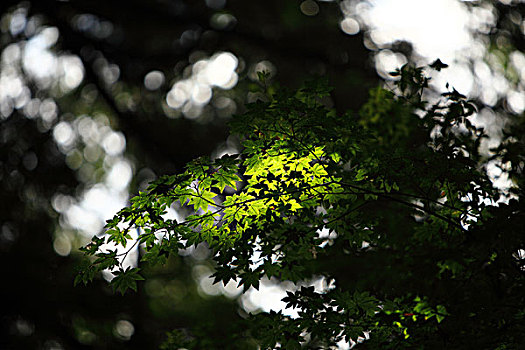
x=392 y=205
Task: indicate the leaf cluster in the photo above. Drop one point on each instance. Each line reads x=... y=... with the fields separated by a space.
x=399 y=187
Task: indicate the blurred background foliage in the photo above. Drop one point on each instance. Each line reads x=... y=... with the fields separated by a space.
x=97 y=98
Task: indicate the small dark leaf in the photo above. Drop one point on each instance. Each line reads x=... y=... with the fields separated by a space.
x=438 y=65
x=224 y=274
x=454 y=95
x=249 y=279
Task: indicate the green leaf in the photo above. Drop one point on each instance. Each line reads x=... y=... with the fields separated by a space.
x=263 y=76
x=85 y=273
x=118 y=236
x=224 y=275
x=202 y=200
x=249 y=279
x=93 y=246
x=226 y=179
x=126 y=279
x=318 y=170
x=106 y=260
x=441 y=312
x=294 y=205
